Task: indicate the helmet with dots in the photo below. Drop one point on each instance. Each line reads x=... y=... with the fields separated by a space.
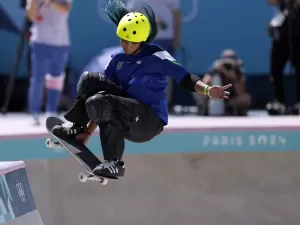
x=134 y=27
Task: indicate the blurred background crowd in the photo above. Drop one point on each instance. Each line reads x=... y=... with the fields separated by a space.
x=255 y=45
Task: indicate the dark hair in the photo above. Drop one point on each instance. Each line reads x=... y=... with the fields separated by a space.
x=116 y=10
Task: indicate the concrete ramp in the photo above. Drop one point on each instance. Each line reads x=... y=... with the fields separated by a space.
x=17 y=206
x=181 y=189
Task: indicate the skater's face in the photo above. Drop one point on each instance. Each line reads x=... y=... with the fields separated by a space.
x=130 y=48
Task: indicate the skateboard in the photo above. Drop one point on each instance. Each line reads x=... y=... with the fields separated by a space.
x=79 y=151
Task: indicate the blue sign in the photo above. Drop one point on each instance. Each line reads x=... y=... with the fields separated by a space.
x=181 y=142
x=16 y=198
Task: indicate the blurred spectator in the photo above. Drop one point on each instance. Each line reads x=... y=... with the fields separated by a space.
x=95 y=64
x=168 y=18
x=99 y=62
x=226 y=70
x=284 y=29
x=49 y=52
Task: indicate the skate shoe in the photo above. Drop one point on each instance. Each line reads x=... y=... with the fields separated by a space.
x=110 y=169
x=68 y=129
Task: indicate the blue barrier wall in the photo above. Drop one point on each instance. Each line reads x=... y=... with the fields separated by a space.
x=208 y=27
x=178 y=142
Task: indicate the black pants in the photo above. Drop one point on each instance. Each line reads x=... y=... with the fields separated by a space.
x=118 y=117
x=282 y=52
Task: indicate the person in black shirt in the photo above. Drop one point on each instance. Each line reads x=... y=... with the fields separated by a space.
x=284 y=30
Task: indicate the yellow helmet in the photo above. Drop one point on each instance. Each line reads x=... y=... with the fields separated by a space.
x=134 y=27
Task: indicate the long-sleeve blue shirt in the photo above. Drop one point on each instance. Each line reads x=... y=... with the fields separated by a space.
x=144 y=76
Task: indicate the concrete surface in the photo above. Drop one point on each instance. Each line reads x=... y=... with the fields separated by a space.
x=185 y=189
x=32 y=218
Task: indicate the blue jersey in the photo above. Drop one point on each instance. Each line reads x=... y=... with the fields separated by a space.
x=144 y=76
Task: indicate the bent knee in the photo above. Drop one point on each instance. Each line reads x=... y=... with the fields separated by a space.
x=89 y=83
x=83 y=83
x=99 y=108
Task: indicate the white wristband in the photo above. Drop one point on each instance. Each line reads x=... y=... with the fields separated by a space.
x=208 y=93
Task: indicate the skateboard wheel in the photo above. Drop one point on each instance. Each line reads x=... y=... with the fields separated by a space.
x=49 y=143
x=104 y=181
x=82 y=177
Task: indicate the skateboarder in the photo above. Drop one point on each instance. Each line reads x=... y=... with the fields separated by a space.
x=129 y=100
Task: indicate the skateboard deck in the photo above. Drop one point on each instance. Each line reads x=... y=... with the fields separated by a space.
x=78 y=150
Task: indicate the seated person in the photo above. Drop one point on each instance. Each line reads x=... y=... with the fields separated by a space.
x=230 y=70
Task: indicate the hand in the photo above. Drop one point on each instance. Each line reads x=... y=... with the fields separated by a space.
x=83 y=137
x=218 y=92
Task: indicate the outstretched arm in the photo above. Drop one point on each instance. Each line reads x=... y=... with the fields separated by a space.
x=193 y=83
x=217 y=92
x=190 y=81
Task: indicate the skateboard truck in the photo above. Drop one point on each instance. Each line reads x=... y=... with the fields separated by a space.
x=84 y=178
x=50 y=143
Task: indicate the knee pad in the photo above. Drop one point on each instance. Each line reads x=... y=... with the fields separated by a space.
x=55 y=82
x=83 y=83
x=91 y=83
x=100 y=108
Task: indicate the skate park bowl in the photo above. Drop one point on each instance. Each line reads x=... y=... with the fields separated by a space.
x=208 y=171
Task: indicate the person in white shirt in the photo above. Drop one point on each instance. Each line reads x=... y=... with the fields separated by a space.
x=168 y=18
x=50 y=44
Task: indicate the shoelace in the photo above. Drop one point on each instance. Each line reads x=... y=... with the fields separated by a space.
x=69 y=128
x=67 y=125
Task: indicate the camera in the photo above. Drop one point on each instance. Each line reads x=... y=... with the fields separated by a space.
x=228 y=66
x=228 y=63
